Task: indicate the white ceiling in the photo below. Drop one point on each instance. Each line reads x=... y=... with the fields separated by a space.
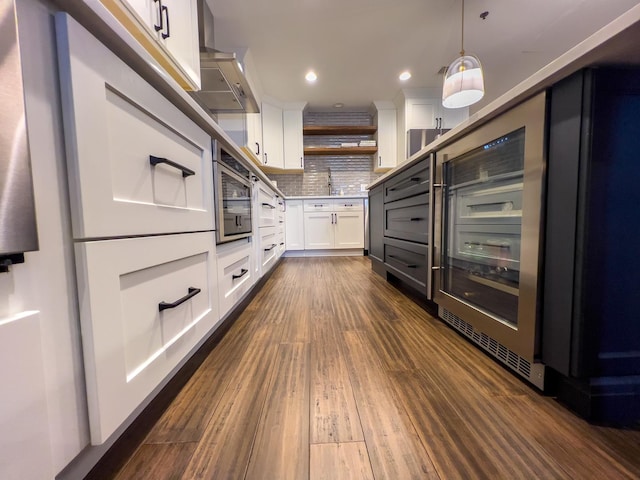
x=359 y=47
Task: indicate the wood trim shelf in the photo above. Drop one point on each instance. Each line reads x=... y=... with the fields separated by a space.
x=339 y=129
x=340 y=150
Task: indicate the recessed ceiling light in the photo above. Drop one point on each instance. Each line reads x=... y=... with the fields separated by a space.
x=311 y=76
x=338 y=105
x=404 y=76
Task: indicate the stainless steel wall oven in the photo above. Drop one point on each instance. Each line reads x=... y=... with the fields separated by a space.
x=232 y=188
x=488 y=229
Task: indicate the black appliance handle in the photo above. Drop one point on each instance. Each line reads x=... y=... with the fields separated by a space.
x=186 y=172
x=166 y=305
x=481 y=244
x=243 y=272
x=408 y=265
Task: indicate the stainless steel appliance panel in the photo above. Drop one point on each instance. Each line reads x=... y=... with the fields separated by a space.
x=232 y=200
x=18 y=231
x=484 y=222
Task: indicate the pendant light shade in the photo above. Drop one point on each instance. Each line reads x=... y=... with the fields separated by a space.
x=463 y=80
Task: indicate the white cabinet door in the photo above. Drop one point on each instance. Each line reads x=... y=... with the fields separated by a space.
x=272 y=138
x=235 y=275
x=179 y=34
x=386 y=136
x=254 y=135
x=349 y=229
x=318 y=230
x=144 y=9
x=451 y=117
x=145 y=303
x=136 y=164
x=293 y=142
x=421 y=113
x=294 y=225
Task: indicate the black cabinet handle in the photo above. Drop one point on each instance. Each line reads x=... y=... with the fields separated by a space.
x=409 y=219
x=264 y=204
x=408 y=265
x=411 y=180
x=281 y=243
x=301 y=163
x=379 y=161
x=243 y=272
x=257 y=148
x=161 y=26
x=192 y=293
x=186 y=172
x=317 y=206
x=273 y=245
x=265 y=158
x=165 y=9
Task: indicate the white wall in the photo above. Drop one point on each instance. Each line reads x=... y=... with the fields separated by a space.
x=46 y=281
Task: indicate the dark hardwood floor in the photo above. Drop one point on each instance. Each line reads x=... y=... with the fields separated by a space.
x=330 y=373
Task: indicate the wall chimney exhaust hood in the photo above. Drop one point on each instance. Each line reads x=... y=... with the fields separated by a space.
x=224 y=85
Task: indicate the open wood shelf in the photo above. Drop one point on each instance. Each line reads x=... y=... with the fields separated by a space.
x=340 y=150
x=339 y=129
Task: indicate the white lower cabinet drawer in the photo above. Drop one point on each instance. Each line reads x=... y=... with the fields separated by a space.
x=235 y=276
x=145 y=303
x=137 y=165
x=269 y=244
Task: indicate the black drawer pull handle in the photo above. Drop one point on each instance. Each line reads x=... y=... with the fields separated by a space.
x=273 y=245
x=268 y=205
x=243 y=272
x=410 y=219
x=192 y=293
x=281 y=221
x=411 y=180
x=348 y=204
x=318 y=205
x=408 y=265
x=186 y=172
x=281 y=243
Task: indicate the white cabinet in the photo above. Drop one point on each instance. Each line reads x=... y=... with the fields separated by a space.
x=272 y=136
x=333 y=224
x=427 y=113
x=235 y=275
x=172 y=25
x=246 y=131
x=294 y=225
x=386 y=137
x=266 y=205
x=293 y=141
x=136 y=164
x=145 y=303
x=137 y=168
x=268 y=236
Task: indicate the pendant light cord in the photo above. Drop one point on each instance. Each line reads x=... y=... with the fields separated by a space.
x=462 y=32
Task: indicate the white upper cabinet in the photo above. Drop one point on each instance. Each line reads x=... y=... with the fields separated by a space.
x=246 y=130
x=293 y=143
x=272 y=137
x=386 y=138
x=426 y=113
x=173 y=26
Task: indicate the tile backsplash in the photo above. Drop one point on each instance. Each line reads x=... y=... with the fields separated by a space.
x=331 y=174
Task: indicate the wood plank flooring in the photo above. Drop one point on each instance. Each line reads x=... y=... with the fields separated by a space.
x=330 y=373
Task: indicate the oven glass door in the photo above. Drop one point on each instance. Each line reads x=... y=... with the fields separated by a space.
x=234 y=205
x=483 y=212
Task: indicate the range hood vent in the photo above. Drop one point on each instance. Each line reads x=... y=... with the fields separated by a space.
x=224 y=86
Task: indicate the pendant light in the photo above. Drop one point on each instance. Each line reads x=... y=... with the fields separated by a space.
x=463 y=80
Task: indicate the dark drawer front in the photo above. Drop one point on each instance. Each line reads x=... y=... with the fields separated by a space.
x=408 y=261
x=408 y=219
x=412 y=181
